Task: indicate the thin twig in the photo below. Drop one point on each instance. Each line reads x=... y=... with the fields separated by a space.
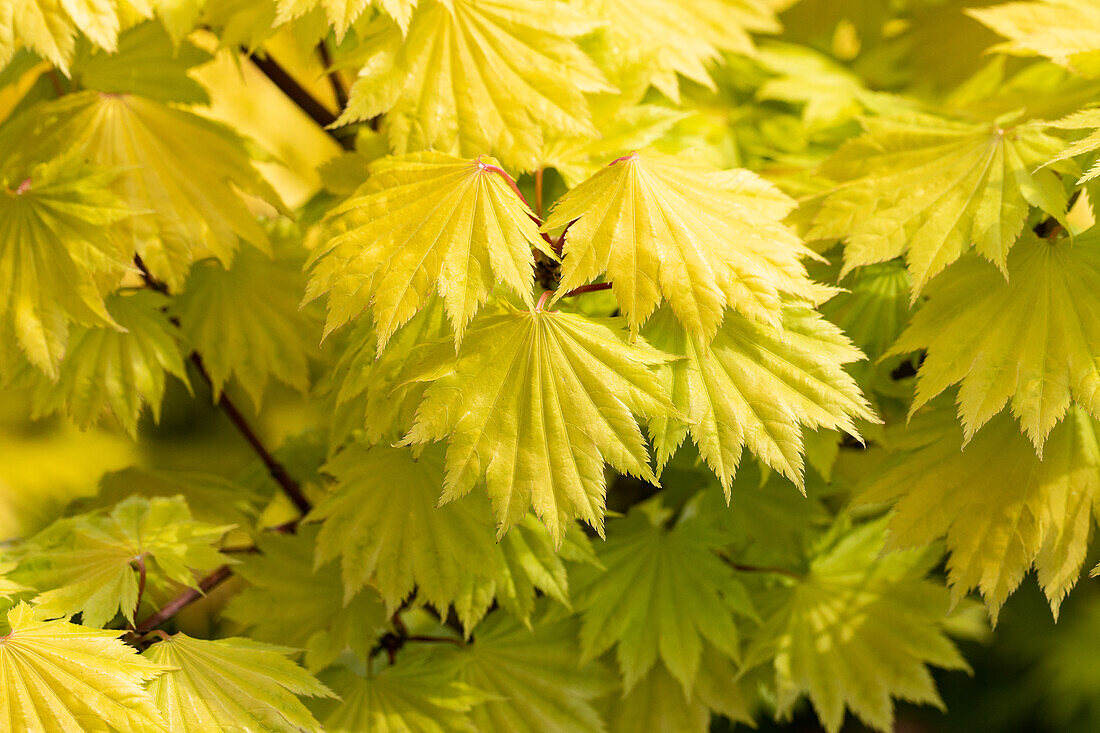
x=436 y=639
x=741 y=567
x=590 y=288
x=276 y=469
x=334 y=79
x=298 y=94
x=185 y=599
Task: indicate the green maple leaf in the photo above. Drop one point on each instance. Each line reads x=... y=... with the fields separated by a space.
x=146 y=63
x=86 y=564
x=231 y=684
x=400 y=540
x=875 y=309
x=116 y=371
x=1077 y=121
x=183 y=173
x=62 y=245
x=664 y=39
x=857 y=631
x=364 y=383
x=477 y=76
x=210 y=498
x=1065 y=31
x=426 y=222
x=1031 y=342
x=420 y=693
x=57 y=676
x=930 y=188
x=658 y=701
x=1001 y=508
x=672 y=227
x=245 y=321
x=536 y=402
x=664 y=594
x=290 y=601
x=756 y=386
x=533 y=676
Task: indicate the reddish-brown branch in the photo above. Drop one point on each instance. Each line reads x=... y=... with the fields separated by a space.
x=276 y=469
x=591 y=288
x=185 y=599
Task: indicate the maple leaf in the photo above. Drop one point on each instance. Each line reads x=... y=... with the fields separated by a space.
x=146 y=62
x=472 y=77
x=340 y=13
x=61 y=240
x=398 y=541
x=672 y=227
x=182 y=173
x=86 y=564
x=875 y=309
x=658 y=702
x=1077 y=121
x=426 y=222
x=1029 y=342
x=289 y=600
x=1001 y=508
x=532 y=676
x=57 y=676
x=535 y=402
x=664 y=593
x=364 y=383
x=857 y=631
x=1065 y=31
x=755 y=386
x=666 y=38
x=106 y=369
x=420 y=693
x=245 y=321
x=928 y=188
x=49 y=27
x=231 y=684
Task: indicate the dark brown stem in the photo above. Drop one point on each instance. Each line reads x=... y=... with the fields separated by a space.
x=591 y=288
x=437 y=640
x=298 y=94
x=276 y=469
x=334 y=79
x=185 y=599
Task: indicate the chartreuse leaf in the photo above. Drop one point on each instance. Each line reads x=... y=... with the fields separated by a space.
x=420 y=693
x=424 y=223
x=665 y=593
x=477 y=76
x=290 y=601
x=231 y=684
x=88 y=564
x=61 y=247
x=183 y=173
x=658 y=701
x=536 y=402
x=755 y=386
x=874 y=310
x=929 y=188
x=651 y=42
x=383 y=522
x=57 y=676
x=672 y=227
x=1033 y=341
x=245 y=321
x=398 y=539
x=108 y=370
x=1001 y=508
x=1065 y=31
x=369 y=397
x=339 y=13
x=1085 y=118
x=857 y=631
x=533 y=676
x=146 y=63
